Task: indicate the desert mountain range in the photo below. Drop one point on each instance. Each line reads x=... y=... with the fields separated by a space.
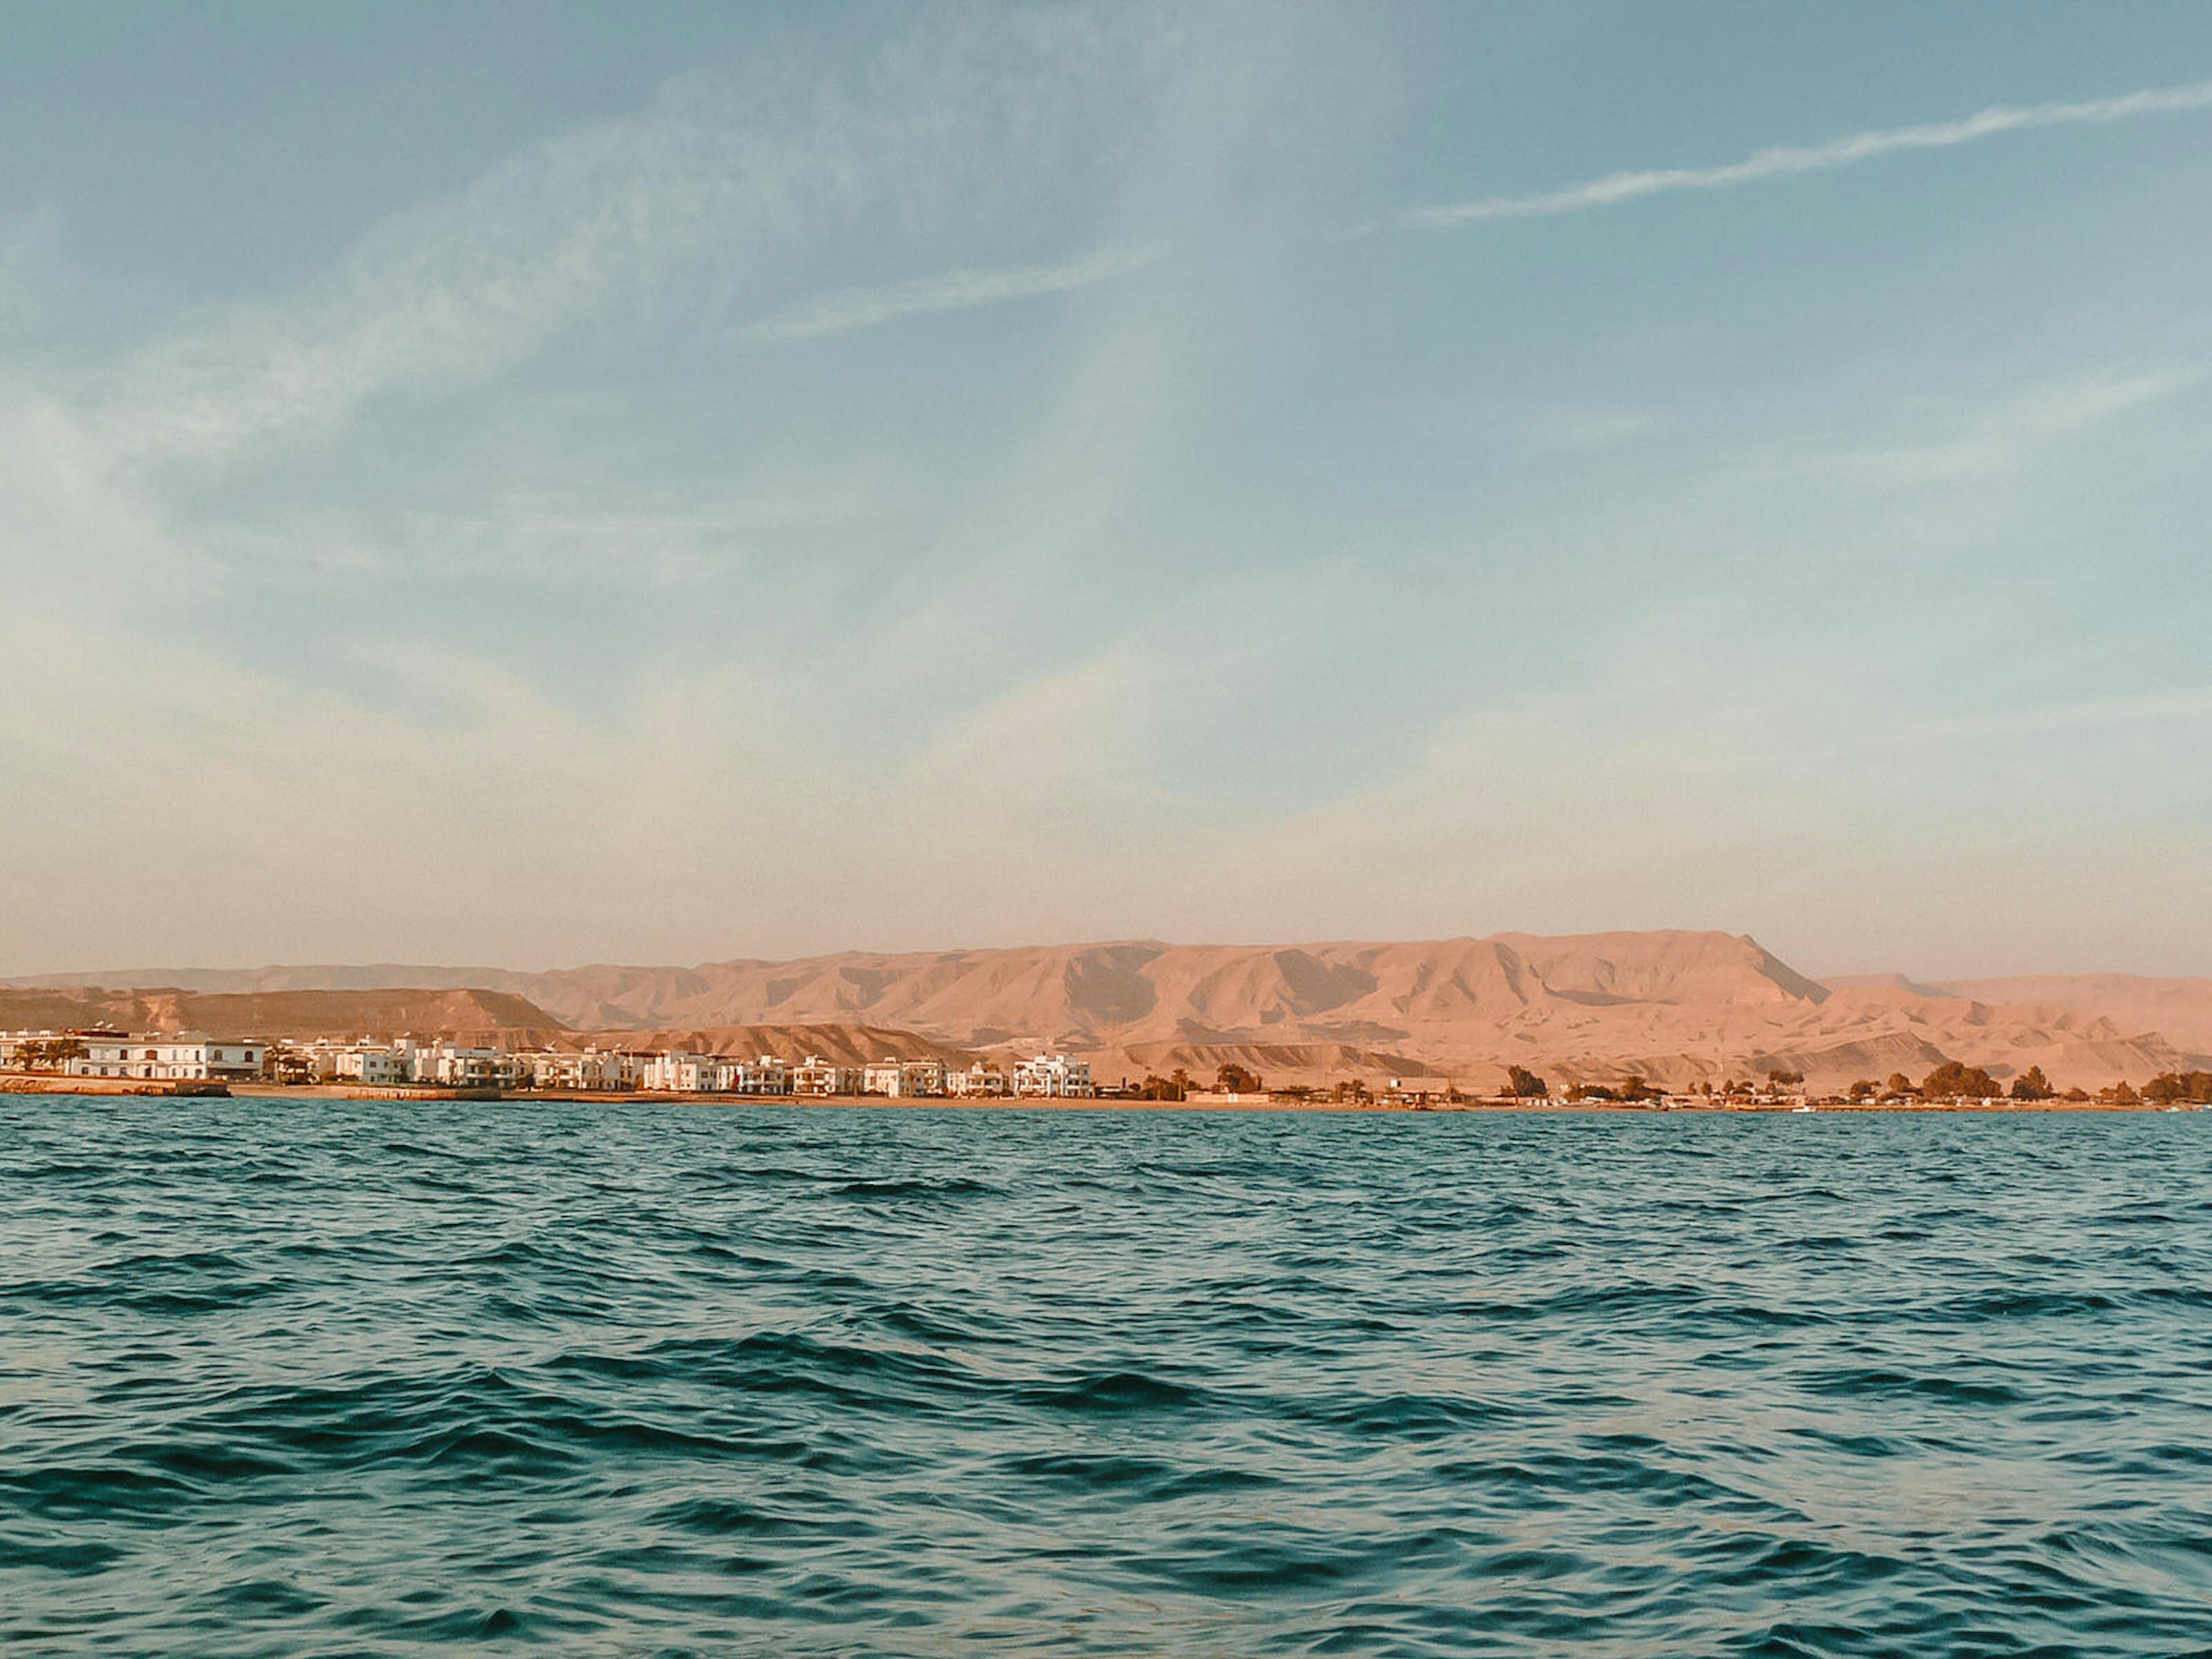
x=1674 y=1007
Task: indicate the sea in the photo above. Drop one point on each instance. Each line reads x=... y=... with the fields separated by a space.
x=344 y=1377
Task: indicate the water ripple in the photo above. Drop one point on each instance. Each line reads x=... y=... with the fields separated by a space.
x=382 y=1379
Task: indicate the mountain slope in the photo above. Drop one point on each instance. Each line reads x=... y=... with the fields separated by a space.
x=466 y=1014
x=1676 y=1007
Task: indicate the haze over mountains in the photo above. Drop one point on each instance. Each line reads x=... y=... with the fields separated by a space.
x=1675 y=1007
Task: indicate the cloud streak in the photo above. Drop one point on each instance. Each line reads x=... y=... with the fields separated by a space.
x=687 y=206
x=1791 y=162
x=953 y=290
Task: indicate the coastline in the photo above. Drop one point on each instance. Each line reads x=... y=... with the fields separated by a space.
x=27 y=1083
x=19 y=1082
x=41 y=1083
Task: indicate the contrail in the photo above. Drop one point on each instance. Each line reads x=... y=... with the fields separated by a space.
x=1790 y=161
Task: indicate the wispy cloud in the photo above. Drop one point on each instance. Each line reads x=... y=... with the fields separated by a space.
x=952 y=290
x=2009 y=436
x=689 y=204
x=2134 y=713
x=1790 y=161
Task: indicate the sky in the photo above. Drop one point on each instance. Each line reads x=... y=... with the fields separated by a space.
x=539 y=483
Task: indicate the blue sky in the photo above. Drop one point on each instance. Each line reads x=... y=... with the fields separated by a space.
x=544 y=483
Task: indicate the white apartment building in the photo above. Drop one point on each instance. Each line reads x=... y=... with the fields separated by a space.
x=363 y=1061
x=766 y=1076
x=817 y=1079
x=21 y=1048
x=456 y=1067
x=685 y=1074
x=383 y=1068
x=594 y=1068
x=903 y=1078
x=1054 y=1076
x=115 y=1054
x=978 y=1081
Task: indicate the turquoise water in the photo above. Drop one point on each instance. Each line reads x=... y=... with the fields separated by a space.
x=356 y=1378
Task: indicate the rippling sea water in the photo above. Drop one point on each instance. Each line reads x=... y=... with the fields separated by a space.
x=316 y=1378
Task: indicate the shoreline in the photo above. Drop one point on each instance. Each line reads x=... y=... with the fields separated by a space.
x=41 y=1083
x=35 y=1083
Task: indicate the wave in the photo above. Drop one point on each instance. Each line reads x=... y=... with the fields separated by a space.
x=636 y=1379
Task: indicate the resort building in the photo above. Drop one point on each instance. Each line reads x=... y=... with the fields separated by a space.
x=110 y=1053
x=27 y=1050
x=817 y=1079
x=904 y=1078
x=365 y=1063
x=456 y=1067
x=597 y=1069
x=685 y=1074
x=978 y=1081
x=383 y=1064
x=766 y=1076
x=1054 y=1076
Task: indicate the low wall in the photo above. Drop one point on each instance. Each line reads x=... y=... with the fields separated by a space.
x=45 y=1083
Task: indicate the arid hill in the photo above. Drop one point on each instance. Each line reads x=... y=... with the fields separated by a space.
x=2179 y=1009
x=1674 y=1007
x=464 y=1015
x=842 y=1045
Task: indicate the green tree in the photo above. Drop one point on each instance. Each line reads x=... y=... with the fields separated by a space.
x=53 y=1053
x=1953 y=1080
x=2031 y=1084
x=2172 y=1088
x=1865 y=1089
x=1234 y=1079
x=1524 y=1085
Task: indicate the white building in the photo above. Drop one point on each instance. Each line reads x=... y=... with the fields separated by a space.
x=1054 y=1076
x=25 y=1050
x=817 y=1079
x=456 y=1067
x=766 y=1076
x=368 y=1063
x=115 y=1054
x=978 y=1081
x=903 y=1078
x=383 y=1064
x=685 y=1074
x=594 y=1069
